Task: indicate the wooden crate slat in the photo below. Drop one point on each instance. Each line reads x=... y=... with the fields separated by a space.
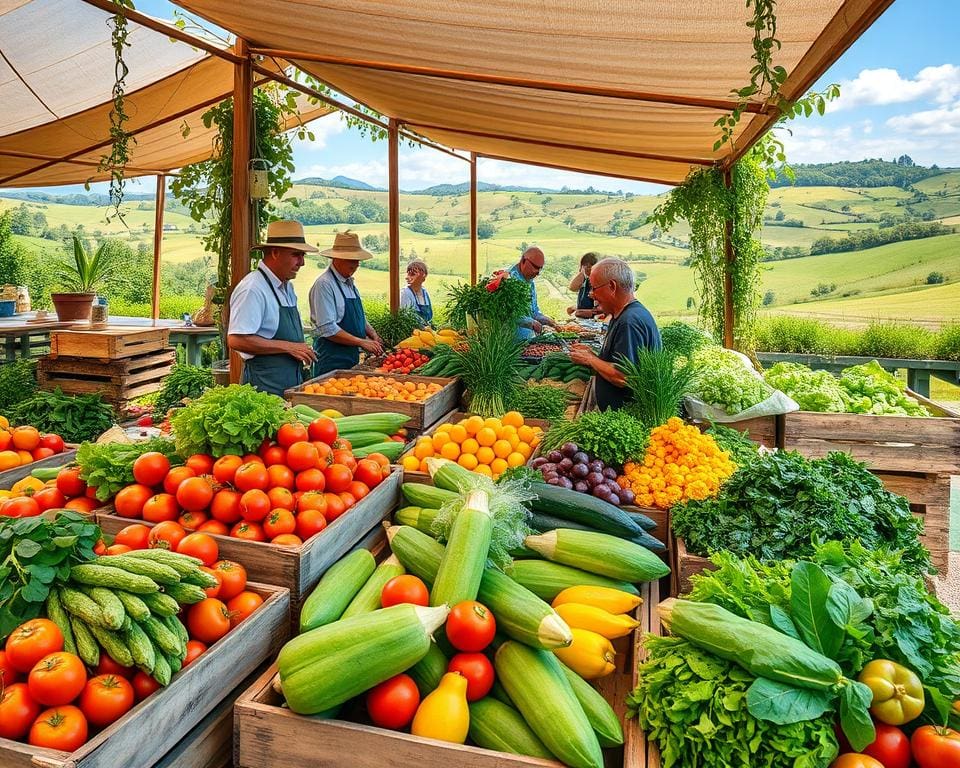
x=116 y=381
x=638 y=751
x=115 y=342
x=9 y=476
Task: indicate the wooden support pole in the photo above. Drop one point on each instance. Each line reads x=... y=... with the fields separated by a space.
x=393 y=134
x=473 y=219
x=240 y=206
x=157 y=244
x=729 y=257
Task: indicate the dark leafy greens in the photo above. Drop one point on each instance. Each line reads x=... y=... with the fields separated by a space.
x=74 y=417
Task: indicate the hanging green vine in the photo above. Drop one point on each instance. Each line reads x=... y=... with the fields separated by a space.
x=120 y=139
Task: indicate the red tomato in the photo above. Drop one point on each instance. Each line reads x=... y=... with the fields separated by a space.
x=82 y=504
x=108 y=666
x=91 y=493
x=56 y=679
x=226 y=467
x=310 y=522
x=100 y=548
x=106 y=698
x=70 y=484
x=191 y=521
x=301 y=456
x=281 y=498
x=325 y=454
x=160 y=507
x=251 y=476
x=63 y=728
x=194 y=649
x=312 y=500
x=346 y=458
x=291 y=433
x=338 y=478
x=478 y=670
x=215 y=528
x=254 y=505
x=225 y=506
x=176 y=476
x=335 y=506
x=394 y=702
x=53 y=442
x=382 y=460
x=287 y=540
x=49 y=498
x=357 y=490
x=144 y=685
x=117 y=549
x=215 y=590
x=470 y=626
x=248 y=531
x=30 y=642
x=25 y=438
x=278 y=522
x=233 y=578
x=17 y=711
x=201 y=546
x=323 y=429
x=936 y=747
x=404 y=589
x=166 y=535
x=129 y=500
x=42 y=453
x=21 y=506
x=195 y=494
x=8 y=673
x=347 y=498
x=891 y=747
x=274 y=455
x=855 y=760
x=135 y=536
x=151 y=468
x=208 y=620
x=242 y=605
x=248 y=457
x=281 y=476
x=311 y=480
x=369 y=472
x=201 y=464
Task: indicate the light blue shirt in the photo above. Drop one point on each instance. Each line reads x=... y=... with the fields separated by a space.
x=524 y=333
x=253 y=307
x=327 y=303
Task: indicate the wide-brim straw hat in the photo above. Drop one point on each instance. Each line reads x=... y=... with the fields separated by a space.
x=346 y=245
x=287 y=234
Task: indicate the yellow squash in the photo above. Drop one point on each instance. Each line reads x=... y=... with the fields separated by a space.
x=444 y=714
x=589 y=655
x=610 y=625
x=610 y=600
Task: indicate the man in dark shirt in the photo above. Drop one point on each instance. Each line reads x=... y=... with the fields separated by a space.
x=631 y=327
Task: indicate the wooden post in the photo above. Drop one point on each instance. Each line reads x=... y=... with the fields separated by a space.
x=240 y=208
x=157 y=243
x=473 y=218
x=393 y=134
x=729 y=257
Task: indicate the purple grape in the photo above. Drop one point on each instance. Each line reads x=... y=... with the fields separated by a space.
x=567 y=483
x=581 y=486
x=610 y=473
x=539 y=462
x=553 y=480
x=554 y=457
x=580 y=470
x=548 y=467
x=565 y=465
x=594 y=479
x=612 y=498
x=569 y=449
x=600 y=492
x=627 y=496
x=580 y=458
x=596 y=466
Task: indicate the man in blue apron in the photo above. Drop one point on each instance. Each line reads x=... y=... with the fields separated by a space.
x=265 y=326
x=340 y=326
x=415 y=296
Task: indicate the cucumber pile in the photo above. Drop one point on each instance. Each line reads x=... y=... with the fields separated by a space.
x=559 y=367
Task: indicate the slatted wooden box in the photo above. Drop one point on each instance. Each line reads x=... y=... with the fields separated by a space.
x=110 y=343
x=9 y=476
x=117 y=381
x=422 y=415
x=155 y=726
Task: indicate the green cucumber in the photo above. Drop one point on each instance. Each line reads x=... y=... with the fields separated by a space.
x=584 y=509
x=342 y=581
x=426 y=496
x=599 y=553
x=603 y=719
x=498 y=726
x=427 y=672
x=368 y=598
x=547 y=580
x=465 y=554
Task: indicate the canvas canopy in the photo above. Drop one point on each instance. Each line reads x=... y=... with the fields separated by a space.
x=56 y=78
x=622 y=87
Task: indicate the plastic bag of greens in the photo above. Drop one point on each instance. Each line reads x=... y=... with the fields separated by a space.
x=728 y=389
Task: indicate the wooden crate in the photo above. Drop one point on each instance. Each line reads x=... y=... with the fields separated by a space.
x=929 y=497
x=268 y=734
x=116 y=381
x=763 y=430
x=155 y=726
x=298 y=569
x=111 y=343
x=638 y=751
x=422 y=415
x=684 y=565
x=9 y=476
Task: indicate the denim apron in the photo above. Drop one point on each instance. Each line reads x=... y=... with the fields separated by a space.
x=583 y=295
x=276 y=373
x=424 y=310
x=332 y=356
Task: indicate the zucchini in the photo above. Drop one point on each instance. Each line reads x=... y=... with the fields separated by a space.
x=420 y=518
x=339 y=585
x=498 y=726
x=362 y=439
x=391 y=449
x=520 y=613
x=465 y=554
x=603 y=719
x=451 y=476
x=645 y=522
x=331 y=664
x=535 y=682
x=387 y=423
x=599 y=553
x=584 y=509
x=102 y=576
x=45 y=473
x=426 y=496
x=547 y=580
x=368 y=598
x=427 y=672
x=542 y=523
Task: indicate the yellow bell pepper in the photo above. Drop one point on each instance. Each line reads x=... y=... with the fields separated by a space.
x=897 y=691
x=444 y=714
x=589 y=655
x=27 y=486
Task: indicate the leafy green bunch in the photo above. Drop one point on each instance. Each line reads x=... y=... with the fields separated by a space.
x=393 y=327
x=871 y=389
x=183 y=382
x=18 y=381
x=657 y=381
x=612 y=436
x=75 y=418
x=812 y=390
x=682 y=339
x=724 y=381
x=498 y=298
x=488 y=365
x=108 y=467
x=542 y=401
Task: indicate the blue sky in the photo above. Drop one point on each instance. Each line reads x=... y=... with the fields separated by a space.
x=900 y=94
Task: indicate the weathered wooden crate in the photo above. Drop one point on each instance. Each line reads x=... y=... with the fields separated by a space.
x=112 y=343
x=763 y=430
x=269 y=734
x=156 y=725
x=116 y=381
x=422 y=415
x=297 y=568
x=638 y=751
x=9 y=476
x=684 y=564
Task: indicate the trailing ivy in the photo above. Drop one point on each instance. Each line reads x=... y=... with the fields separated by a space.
x=116 y=161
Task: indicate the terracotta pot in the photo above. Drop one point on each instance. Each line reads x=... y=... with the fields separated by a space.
x=73 y=306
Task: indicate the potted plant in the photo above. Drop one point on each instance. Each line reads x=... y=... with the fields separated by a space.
x=80 y=281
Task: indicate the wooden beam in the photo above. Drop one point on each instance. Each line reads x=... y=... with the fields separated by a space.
x=393 y=197
x=240 y=205
x=157 y=244
x=88 y=163
x=473 y=219
x=577 y=169
x=513 y=82
x=729 y=258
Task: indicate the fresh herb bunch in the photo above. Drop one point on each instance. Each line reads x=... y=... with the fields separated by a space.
x=36 y=553
x=741 y=448
x=682 y=339
x=183 y=381
x=488 y=365
x=614 y=437
x=521 y=473
x=657 y=381
x=75 y=418
x=393 y=327
x=234 y=419
x=724 y=381
x=694 y=706
x=18 y=382
x=542 y=401
x=781 y=504
x=506 y=303
x=870 y=389
x=812 y=390
x=108 y=467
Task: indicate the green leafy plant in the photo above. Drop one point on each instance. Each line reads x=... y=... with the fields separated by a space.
x=679 y=338
x=542 y=401
x=487 y=363
x=88 y=271
x=183 y=382
x=612 y=436
x=501 y=298
x=657 y=381
x=18 y=382
x=108 y=467
x=74 y=417
x=393 y=327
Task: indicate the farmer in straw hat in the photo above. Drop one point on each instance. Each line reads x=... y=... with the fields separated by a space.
x=340 y=326
x=265 y=326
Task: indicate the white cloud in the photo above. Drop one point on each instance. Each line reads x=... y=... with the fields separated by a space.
x=931 y=122
x=878 y=87
x=821 y=145
x=322 y=129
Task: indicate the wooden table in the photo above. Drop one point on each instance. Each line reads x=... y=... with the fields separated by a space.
x=192 y=337
x=17 y=333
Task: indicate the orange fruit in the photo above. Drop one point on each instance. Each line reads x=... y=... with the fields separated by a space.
x=497 y=466
x=516 y=459
x=495 y=424
x=450 y=451
x=525 y=433
x=458 y=433
x=440 y=439
x=9 y=460
x=483 y=469
x=445 y=427
x=473 y=425
x=502 y=449
x=485 y=455
x=467 y=461
x=410 y=463
x=424 y=449
x=486 y=436
x=25 y=457
x=513 y=419
x=470 y=446
x=423 y=466
x=524 y=450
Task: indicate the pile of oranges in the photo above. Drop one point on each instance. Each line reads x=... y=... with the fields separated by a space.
x=488 y=446
x=379 y=387
x=681 y=463
x=23 y=445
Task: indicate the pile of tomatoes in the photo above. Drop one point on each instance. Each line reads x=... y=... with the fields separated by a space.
x=24 y=445
x=30 y=497
x=291 y=489
x=403 y=361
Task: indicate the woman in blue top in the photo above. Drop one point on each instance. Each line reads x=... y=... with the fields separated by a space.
x=586 y=306
x=415 y=295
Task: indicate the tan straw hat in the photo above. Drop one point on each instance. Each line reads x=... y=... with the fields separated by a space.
x=346 y=245
x=287 y=234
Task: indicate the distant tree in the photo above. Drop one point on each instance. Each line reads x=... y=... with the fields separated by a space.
x=690 y=302
x=905 y=160
x=485 y=229
x=935 y=278
x=780 y=216
x=768 y=298
x=569 y=220
x=823 y=289
x=13 y=258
